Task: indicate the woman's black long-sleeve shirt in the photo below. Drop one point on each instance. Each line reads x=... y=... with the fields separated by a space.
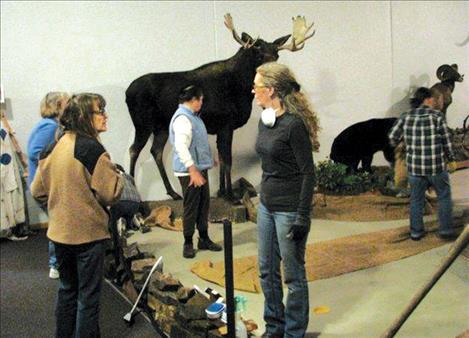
x=287 y=165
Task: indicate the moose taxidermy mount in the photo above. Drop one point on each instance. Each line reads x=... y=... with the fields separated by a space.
x=152 y=99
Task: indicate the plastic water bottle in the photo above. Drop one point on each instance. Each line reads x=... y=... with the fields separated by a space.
x=241 y=331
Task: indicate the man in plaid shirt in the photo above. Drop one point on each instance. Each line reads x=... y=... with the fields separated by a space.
x=428 y=147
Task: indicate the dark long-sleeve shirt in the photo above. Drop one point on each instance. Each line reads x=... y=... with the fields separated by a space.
x=426 y=138
x=287 y=165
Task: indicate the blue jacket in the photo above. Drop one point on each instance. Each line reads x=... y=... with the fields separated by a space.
x=42 y=135
x=199 y=147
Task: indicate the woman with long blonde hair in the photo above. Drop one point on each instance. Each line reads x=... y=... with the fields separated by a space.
x=285 y=142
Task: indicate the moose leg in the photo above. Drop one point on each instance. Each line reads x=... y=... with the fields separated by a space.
x=224 y=143
x=159 y=140
x=141 y=138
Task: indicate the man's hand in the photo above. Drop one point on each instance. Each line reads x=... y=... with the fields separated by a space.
x=300 y=229
x=452 y=166
x=196 y=178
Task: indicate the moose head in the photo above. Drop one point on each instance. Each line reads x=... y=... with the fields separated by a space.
x=268 y=51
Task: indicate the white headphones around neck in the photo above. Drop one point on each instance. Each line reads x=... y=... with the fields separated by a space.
x=268 y=117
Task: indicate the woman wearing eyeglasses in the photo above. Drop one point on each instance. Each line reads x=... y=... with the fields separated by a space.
x=78 y=181
x=287 y=136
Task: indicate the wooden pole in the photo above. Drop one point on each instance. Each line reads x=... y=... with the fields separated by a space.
x=454 y=252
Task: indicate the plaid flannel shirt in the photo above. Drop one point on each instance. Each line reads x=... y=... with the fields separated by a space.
x=427 y=140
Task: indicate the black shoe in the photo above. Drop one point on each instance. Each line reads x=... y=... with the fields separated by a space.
x=272 y=335
x=188 y=251
x=144 y=229
x=417 y=238
x=448 y=237
x=207 y=244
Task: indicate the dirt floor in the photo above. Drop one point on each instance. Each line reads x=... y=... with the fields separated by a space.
x=369 y=206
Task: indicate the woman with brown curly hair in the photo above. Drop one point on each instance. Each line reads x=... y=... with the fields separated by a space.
x=78 y=181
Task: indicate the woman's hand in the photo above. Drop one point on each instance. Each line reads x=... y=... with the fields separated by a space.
x=300 y=229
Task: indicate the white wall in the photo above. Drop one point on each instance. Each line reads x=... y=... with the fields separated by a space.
x=360 y=64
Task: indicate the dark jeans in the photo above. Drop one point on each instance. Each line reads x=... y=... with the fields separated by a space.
x=196 y=205
x=289 y=320
x=52 y=257
x=126 y=209
x=81 y=270
x=418 y=186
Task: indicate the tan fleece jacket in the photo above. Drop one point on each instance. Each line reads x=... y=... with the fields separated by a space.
x=78 y=181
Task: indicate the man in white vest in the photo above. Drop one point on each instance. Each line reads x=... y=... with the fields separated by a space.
x=191 y=160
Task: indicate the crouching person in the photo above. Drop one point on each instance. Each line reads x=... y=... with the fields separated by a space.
x=78 y=181
x=130 y=205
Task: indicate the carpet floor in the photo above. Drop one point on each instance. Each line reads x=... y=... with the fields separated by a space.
x=27 y=296
x=348 y=254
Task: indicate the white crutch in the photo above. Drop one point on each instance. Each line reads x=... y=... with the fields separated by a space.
x=128 y=316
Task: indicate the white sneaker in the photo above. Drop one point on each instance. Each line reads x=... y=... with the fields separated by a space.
x=54 y=273
x=121 y=226
x=137 y=220
x=16 y=238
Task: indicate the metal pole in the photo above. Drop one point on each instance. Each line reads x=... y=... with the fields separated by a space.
x=456 y=249
x=229 y=285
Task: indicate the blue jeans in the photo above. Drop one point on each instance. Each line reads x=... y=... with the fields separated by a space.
x=81 y=270
x=52 y=258
x=292 y=319
x=418 y=186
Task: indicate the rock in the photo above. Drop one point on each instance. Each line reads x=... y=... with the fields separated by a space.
x=242 y=186
x=166 y=297
x=164 y=282
x=238 y=214
x=178 y=331
x=184 y=294
x=201 y=325
x=460 y=142
x=130 y=291
x=164 y=313
x=216 y=333
x=194 y=308
x=251 y=209
x=131 y=251
x=140 y=264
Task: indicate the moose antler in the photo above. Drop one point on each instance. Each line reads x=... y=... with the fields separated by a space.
x=300 y=29
x=229 y=24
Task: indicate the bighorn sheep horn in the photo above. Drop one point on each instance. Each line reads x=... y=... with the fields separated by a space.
x=447 y=72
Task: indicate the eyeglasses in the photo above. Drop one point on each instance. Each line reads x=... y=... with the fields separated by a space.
x=101 y=112
x=254 y=86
